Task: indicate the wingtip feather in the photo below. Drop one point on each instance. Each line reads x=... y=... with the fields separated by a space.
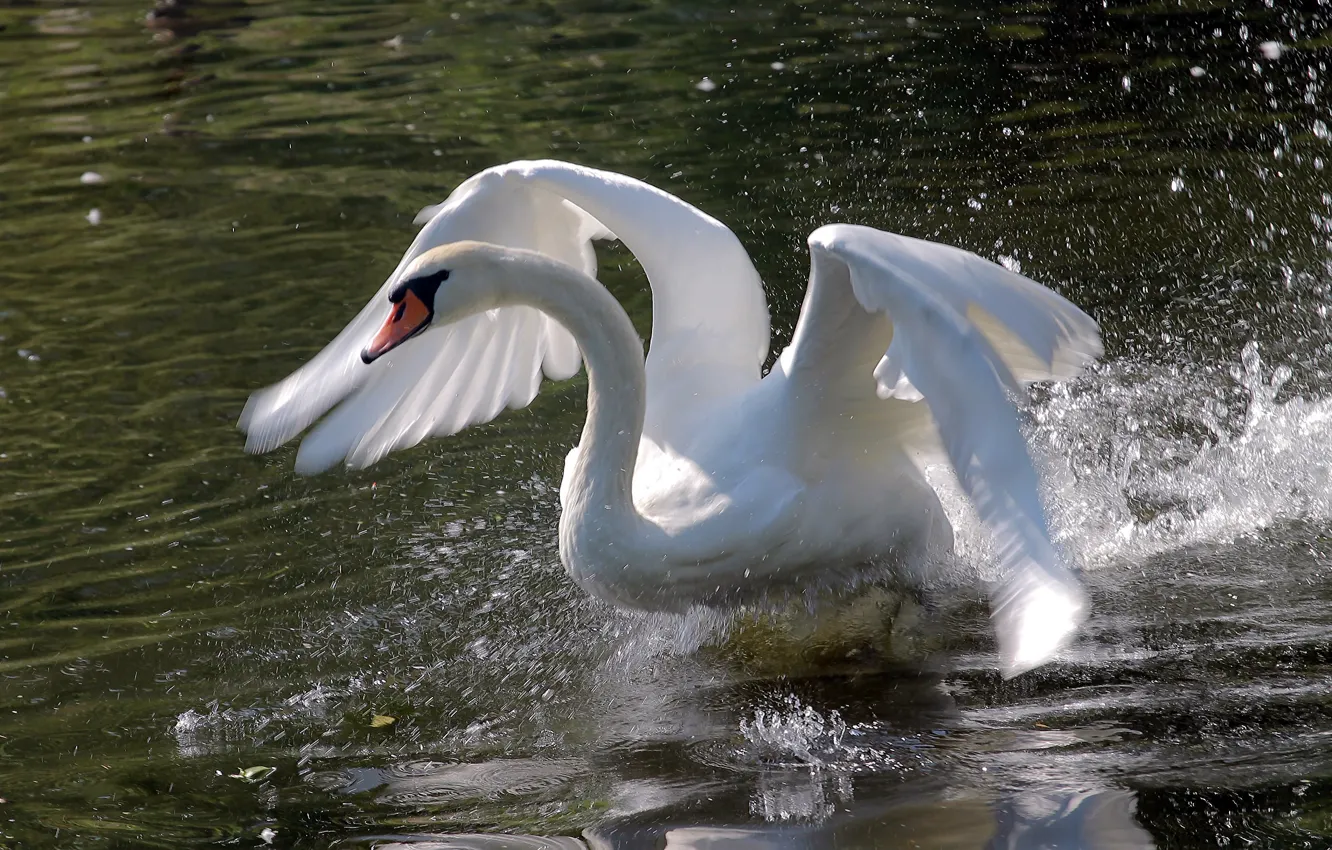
x=1035 y=616
x=262 y=432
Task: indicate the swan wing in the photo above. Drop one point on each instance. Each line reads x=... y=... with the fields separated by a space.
x=709 y=334
x=963 y=369
x=457 y=375
x=709 y=316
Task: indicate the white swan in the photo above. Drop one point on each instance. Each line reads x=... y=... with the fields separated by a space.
x=697 y=481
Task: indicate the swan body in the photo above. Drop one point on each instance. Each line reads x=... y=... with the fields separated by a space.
x=697 y=480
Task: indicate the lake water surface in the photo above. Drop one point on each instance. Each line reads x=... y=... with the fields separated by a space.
x=195 y=197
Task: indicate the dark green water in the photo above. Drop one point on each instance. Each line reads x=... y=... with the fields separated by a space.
x=175 y=611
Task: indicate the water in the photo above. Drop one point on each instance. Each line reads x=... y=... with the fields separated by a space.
x=195 y=197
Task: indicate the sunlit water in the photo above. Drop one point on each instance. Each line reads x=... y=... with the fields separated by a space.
x=200 y=648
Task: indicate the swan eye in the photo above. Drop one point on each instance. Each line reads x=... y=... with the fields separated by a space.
x=425 y=287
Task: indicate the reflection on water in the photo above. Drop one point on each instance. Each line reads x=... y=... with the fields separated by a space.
x=176 y=612
x=1100 y=820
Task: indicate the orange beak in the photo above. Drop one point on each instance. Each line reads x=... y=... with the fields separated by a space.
x=407 y=319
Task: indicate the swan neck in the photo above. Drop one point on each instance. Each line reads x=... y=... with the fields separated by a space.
x=608 y=448
x=601 y=478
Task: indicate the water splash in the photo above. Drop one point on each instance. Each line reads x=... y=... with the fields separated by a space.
x=807 y=759
x=642 y=638
x=1141 y=459
x=802 y=753
x=1136 y=460
x=1160 y=459
x=796 y=732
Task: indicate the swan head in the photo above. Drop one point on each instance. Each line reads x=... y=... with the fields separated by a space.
x=414 y=299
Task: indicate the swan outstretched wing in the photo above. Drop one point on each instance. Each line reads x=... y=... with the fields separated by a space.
x=709 y=322
x=453 y=376
x=963 y=369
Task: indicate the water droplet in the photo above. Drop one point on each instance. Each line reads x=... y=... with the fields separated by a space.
x=705 y=85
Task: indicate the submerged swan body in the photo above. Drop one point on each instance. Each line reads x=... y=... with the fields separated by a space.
x=698 y=480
